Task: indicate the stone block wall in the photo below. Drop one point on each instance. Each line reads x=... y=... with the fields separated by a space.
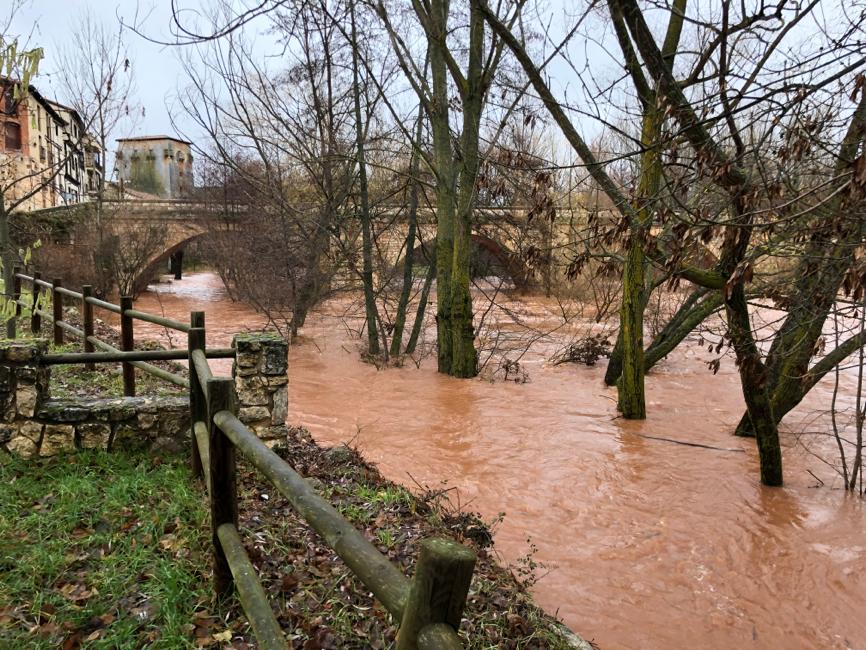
x=33 y=424
x=261 y=379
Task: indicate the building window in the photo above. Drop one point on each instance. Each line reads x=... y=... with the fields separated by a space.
x=13 y=136
x=10 y=106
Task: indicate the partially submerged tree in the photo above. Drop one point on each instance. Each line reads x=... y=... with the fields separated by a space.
x=724 y=191
x=455 y=159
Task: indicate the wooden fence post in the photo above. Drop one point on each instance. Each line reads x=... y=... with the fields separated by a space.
x=438 y=591
x=57 y=306
x=16 y=296
x=197 y=401
x=87 y=319
x=223 y=489
x=36 y=319
x=127 y=342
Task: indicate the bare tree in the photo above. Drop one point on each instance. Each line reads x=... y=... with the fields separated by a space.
x=723 y=184
x=95 y=74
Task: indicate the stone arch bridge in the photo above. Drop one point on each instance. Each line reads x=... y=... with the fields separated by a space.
x=506 y=239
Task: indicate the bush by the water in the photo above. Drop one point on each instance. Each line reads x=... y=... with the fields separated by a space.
x=587 y=350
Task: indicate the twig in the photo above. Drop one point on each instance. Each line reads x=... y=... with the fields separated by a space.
x=820 y=482
x=691 y=444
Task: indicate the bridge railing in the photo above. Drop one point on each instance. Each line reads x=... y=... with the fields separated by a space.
x=428 y=608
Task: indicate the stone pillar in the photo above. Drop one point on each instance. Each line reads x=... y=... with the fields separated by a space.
x=23 y=389
x=176 y=264
x=261 y=379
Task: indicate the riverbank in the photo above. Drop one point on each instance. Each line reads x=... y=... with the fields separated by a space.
x=112 y=549
x=128 y=565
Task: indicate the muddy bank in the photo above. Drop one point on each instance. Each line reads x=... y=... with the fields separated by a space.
x=323 y=606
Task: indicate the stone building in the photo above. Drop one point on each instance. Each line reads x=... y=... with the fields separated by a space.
x=45 y=151
x=159 y=165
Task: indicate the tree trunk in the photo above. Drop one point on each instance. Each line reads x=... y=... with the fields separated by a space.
x=753 y=377
x=630 y=386
x=366 y=229
x=409 y=258
x=422 y=307
x=614 y=365
x=7 y=258
x=445 y=185
x=464 y=355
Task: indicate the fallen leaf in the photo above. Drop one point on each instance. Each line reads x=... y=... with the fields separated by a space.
x=223 y=637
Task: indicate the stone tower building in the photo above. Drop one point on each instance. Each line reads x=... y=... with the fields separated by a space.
x=160 y=165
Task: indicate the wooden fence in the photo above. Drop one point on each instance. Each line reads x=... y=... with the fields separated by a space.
x=428 y=607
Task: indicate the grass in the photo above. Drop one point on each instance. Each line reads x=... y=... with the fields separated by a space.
x=104 y=550
x=105 y=380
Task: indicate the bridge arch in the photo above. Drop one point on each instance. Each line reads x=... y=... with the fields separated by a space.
x=508 y=262
x=152 y=268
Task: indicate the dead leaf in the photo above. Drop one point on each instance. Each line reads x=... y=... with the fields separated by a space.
x=223 y=637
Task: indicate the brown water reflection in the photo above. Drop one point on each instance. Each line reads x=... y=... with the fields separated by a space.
x=650 y=544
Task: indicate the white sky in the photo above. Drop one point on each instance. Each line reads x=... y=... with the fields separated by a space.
x=159 y=73
x=156 y=69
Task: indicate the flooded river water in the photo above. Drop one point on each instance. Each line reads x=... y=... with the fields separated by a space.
x=648 y=544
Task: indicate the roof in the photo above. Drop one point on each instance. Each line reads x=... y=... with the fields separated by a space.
x=63 y=107
x=143 y=138
x=35 y=94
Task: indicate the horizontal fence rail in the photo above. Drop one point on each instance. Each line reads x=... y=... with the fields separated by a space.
x=126 y=355
x=135 y=355
x=428 y=608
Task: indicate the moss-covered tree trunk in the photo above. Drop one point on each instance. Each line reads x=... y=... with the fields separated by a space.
x=630 y=387
x=631 y=384
x=455 y=332
x=445 y=173
x=753 y=378
x=464 y=355
x=7 y=258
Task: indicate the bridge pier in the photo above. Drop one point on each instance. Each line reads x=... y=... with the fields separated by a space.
x=175 y=264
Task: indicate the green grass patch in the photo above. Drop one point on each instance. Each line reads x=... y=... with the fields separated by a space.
x=102 y=550
x=105 y=380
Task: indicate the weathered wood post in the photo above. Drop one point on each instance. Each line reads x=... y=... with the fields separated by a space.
x=87 y=319
x=57 y=307
x=197 y=400
x=16 y=296
x=438 y=591
x=35 y=318
x=223 y=489
x=127 y=342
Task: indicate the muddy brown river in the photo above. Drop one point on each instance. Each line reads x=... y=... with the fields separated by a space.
x=647 y=543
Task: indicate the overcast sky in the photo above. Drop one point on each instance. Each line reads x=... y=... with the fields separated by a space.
x=158 y=71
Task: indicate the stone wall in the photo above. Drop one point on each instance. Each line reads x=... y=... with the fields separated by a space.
x=34 y=424
x=261 y=379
